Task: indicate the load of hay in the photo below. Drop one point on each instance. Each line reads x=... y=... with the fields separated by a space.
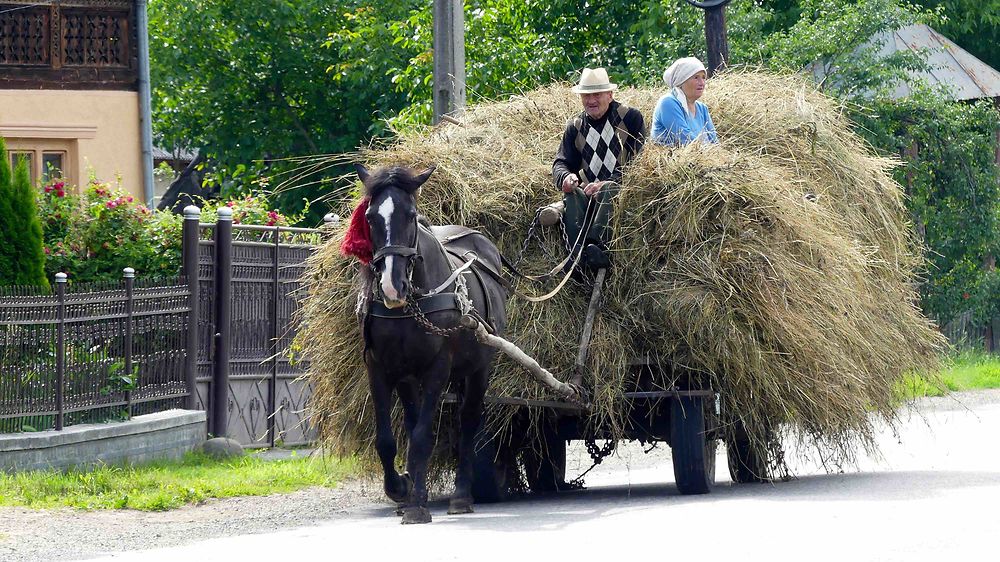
x=778 y=264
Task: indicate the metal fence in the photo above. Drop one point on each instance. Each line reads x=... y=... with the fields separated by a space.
x=91 y=352
x=94 y=352
x=248 y=286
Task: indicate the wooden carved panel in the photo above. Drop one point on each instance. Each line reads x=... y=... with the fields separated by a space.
x=68 y=44
x=94 y=39
x=24 y=35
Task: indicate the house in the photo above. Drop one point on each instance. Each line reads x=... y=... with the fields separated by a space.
x=74 y=90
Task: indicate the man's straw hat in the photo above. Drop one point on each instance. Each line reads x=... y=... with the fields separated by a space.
x=594 y=80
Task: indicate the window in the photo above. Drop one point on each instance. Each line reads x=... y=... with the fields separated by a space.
x=48 y=159
x=52 y=165
x=17 y=155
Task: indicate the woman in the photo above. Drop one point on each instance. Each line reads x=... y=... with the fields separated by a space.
x=679 y=117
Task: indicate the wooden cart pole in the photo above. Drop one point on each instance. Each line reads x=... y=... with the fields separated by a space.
x=588 y=329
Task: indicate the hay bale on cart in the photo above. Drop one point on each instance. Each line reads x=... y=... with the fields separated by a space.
x=775 y=271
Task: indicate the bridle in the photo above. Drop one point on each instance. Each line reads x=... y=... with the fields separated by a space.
x=408 y=252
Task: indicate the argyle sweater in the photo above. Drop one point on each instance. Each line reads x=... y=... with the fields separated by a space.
x=599 y=147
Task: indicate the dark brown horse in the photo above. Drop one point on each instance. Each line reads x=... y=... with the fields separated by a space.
x=413 y=344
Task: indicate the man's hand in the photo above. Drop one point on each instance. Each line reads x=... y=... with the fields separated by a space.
x=569 y=182
x=593 y=187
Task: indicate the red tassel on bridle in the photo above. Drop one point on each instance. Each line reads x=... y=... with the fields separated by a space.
x=358 y=240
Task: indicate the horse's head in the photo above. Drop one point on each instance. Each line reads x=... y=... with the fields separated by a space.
x=392 y=217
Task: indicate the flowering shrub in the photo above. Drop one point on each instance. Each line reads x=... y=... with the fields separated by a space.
x=95 y=235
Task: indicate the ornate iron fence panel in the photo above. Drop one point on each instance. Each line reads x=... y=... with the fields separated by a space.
x=248 y=286
x=91 y=352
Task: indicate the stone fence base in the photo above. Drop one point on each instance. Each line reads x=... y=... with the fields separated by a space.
x=163 y=435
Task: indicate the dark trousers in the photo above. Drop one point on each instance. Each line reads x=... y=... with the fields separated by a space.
x=575 y=215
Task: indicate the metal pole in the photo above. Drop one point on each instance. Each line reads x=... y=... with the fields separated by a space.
x=273 y=383
x=60 y=348
x=145 y=105
x=223 y=314
x=129 y=275
x=449 y=57
x=189 y=268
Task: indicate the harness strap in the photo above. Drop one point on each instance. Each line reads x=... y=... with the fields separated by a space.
x=426 y=305
x=403 y=251
x=454 y=275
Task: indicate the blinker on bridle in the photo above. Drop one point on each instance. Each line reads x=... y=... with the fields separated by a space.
x=407 y=252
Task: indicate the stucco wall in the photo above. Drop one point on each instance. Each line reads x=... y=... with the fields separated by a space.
x=100 y=130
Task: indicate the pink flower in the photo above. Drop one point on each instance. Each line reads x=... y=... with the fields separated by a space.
x=60 y=185
x=111 y=204
x=60 y=193
x=129 y=199
x=270 y=222
x=230 y=204
x=47 y=251
x=48 y=189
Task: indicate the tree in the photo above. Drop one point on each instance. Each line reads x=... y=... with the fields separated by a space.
x=252 y=82
x=23 y=260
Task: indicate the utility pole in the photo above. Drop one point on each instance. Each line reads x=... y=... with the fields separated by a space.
x=449 y=57
x=715 y=32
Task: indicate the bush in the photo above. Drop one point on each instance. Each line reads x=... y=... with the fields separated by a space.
x=94 y=236
x=22 y=262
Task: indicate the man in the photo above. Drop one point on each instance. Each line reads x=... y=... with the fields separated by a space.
x=597 y=143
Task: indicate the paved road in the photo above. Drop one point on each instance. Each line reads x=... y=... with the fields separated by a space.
x=933 y=495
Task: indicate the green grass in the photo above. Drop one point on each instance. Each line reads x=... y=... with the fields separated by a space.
x=964 y=370
x=169 y=484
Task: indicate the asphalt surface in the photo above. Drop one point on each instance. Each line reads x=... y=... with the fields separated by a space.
x=932 y=494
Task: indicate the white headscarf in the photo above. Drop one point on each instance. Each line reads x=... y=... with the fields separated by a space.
x=678 y=73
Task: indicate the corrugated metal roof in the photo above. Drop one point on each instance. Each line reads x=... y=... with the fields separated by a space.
x=952 y=66
x=180 y=155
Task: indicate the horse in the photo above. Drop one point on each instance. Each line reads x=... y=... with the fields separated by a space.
x=414 y=343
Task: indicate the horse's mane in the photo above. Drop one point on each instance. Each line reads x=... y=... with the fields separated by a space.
x=392 y=176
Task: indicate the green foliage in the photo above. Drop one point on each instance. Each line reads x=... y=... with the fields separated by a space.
x=21 y=231
x=94 y=236
x=829 y=38
x=964 y=370
x=953 y=189
x=169 y=484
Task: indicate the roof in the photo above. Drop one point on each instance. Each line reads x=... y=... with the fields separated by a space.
x=179 y=155
x=951 y=66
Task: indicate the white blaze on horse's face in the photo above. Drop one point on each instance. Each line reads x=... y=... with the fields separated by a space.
x=390 y=292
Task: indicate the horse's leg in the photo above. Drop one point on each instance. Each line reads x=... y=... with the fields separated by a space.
x=422 y=439
x=396 y=487
x=470 y=417
x=409 y=397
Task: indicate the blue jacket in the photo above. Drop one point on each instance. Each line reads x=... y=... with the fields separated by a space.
x=672 y=124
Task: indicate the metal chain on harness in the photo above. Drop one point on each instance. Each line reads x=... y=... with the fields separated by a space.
x=597 y=454
x=464 y=303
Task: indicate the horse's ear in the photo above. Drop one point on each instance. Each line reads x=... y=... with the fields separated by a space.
x=362 y=172
x=422 y=176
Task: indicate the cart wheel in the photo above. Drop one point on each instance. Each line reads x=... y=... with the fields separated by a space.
x=492 y=478
x=545 y=463
x=692 y=452
x=747 y=463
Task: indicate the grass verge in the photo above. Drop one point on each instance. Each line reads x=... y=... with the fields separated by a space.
x=169 y=484
x=964 y=370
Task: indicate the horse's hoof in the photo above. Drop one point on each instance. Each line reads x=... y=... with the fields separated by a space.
x=399 y=510
x=414 y=515
x=400 y=496
x=458 y=506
